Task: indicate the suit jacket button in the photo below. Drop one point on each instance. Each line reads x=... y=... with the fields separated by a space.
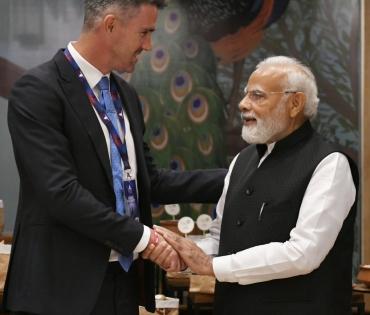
x=239 y=222
x=249 y=191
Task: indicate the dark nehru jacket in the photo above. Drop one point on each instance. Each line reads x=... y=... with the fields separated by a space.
x=280 y=183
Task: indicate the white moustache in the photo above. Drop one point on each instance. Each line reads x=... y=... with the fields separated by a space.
x=249 y=116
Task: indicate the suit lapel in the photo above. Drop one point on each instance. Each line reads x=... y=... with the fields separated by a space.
x=78 y=100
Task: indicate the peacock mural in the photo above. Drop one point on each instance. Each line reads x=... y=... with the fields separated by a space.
x=182 y=104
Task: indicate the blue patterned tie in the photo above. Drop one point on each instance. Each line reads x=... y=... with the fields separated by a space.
x=107 y=102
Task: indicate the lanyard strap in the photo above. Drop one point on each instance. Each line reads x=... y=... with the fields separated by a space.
x=121 y=145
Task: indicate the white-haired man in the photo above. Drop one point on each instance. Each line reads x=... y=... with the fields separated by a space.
x=284 y=228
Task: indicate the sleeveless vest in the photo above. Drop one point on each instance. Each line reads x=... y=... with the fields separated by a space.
x=278 y=186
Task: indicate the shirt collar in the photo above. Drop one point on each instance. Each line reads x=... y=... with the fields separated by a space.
x=92 y=74
x=270 y=147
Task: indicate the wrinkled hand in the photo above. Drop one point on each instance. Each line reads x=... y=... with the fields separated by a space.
x=197 y=260
x=164 y=256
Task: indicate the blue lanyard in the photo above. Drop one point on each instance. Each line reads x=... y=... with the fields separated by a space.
x=121 y=145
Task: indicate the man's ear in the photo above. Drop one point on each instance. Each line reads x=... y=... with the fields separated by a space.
x=109 y=23
x=298 y=102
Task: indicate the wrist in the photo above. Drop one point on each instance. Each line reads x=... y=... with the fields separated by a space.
x=211 y=272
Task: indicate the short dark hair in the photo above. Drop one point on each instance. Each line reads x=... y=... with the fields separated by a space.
x=93 y=8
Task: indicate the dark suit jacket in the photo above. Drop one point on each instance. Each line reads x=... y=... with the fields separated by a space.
x=66 y=224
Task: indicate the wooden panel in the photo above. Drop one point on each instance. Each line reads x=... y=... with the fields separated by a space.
x=366 y=141
x=366 y=138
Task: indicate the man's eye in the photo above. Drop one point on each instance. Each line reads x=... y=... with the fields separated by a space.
x=256 y=95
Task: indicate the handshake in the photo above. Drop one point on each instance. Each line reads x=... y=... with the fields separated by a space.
x=175 y=253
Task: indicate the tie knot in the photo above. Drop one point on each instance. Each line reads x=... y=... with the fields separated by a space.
x=104 y=84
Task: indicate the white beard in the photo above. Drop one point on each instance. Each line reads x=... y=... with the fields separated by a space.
x=265 y=129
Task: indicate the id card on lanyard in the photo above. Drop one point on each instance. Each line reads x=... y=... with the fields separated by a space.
x=129 y=190
x=129 y=183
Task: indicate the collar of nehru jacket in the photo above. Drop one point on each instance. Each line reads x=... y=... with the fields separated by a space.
x=291 y=140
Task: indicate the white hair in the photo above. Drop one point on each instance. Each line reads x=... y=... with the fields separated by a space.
x=298 y=78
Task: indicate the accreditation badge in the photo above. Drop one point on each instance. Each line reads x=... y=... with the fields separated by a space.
x=130 y=194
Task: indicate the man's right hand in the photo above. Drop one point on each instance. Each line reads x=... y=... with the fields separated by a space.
x=192 y=255
x=162 y=254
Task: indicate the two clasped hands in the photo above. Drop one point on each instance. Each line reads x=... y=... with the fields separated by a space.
x=175 y=253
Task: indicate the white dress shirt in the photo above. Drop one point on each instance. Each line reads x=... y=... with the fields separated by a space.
x=327 y=201
x=93 y=76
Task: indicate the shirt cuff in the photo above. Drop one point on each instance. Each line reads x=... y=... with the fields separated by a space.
x=222 y=269
x=144 y=241
x=208 y=245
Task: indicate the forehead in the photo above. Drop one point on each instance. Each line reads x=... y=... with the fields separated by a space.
x=267 y=79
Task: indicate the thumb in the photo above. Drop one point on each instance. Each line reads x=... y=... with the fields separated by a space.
x=161 y=230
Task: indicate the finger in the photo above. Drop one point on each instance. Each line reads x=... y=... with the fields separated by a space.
x=172 y=259
x=165 y=258
x=175 y=242
x=158 y=250
x=175 y=265
x=146 y=253
x=161 y=230
x=183 y=265
x=186 y=249
x=162 y=249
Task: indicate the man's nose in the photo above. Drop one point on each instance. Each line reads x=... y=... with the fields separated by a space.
x=245 y=105
x=147 y=44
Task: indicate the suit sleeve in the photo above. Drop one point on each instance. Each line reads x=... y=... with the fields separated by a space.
x=45 y=163
x=199 y=186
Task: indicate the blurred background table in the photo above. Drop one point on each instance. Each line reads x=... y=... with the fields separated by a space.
x=195 y=292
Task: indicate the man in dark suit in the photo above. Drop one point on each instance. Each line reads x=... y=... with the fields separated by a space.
x=68 y=236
